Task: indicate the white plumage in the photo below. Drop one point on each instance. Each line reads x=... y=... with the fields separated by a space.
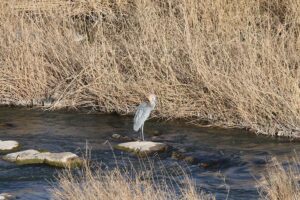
x=142 y=113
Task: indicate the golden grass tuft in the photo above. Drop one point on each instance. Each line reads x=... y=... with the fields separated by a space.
x=231 y=63
x=280 y=183
x=118 y=184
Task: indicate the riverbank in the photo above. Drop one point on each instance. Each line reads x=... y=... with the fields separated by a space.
x=219 y=63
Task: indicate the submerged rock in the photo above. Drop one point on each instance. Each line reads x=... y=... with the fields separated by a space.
x=5 y=196
x=9 y=145
x=142 y=148
x=64 y=159
x=176 y=155
x=121 y=138
x=191 y=160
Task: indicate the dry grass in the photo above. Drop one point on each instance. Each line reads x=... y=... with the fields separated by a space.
x=121 y=185
x=281 y=183
x=232 y=63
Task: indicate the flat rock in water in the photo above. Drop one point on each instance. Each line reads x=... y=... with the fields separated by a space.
x=142 y=147
x=64 y=159
x=8 y=145
x=5 y=196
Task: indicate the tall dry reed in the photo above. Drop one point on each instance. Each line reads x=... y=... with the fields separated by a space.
x=123 y=185
x=281 y=183
x=228 y=63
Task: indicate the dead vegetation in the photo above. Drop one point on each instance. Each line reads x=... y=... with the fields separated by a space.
x=123 y=185
x=279 y=182
x=231 y=63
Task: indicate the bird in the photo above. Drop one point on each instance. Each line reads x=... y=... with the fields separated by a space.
x=142 y=113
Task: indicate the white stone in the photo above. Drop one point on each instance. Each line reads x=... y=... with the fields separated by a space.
x=32 y=156
x=5 y=196
x=63 y=157
x=8 y=145
x=22 y=155
x=142 y=147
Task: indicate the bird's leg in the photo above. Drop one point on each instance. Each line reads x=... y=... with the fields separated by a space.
x=143 y=133
x=140 y=134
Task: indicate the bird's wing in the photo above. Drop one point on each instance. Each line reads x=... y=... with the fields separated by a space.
x=141 y=114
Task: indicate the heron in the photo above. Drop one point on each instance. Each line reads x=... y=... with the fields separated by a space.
x=142 y=113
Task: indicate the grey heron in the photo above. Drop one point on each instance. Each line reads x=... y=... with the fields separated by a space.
x=142 y=113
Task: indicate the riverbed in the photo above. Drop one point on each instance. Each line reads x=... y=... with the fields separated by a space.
x=231 y=161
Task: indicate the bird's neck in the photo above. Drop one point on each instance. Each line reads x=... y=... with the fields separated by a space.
x=152 y=104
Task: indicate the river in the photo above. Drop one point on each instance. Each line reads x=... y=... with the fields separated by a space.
x=235 y=158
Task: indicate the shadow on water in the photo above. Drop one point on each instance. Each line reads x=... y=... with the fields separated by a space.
x=227 y=160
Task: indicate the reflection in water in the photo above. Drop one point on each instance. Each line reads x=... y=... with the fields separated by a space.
x=230 y=160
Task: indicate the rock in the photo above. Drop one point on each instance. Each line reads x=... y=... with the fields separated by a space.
x=5 y=196
x=121 y=138
x=204 y=165
x=9 y=145
x=218 y=164
x=177 y=155
x=183 y=150
x=116 y=136
x=210 y=165
x=191 y=160
x=142 y=148
x=64 y=159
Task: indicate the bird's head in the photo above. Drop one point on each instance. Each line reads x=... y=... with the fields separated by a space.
x=152 y=98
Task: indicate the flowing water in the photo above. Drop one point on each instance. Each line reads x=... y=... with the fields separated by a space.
x=233 y=159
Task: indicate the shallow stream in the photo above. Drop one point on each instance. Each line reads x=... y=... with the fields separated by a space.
x=232 y=160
